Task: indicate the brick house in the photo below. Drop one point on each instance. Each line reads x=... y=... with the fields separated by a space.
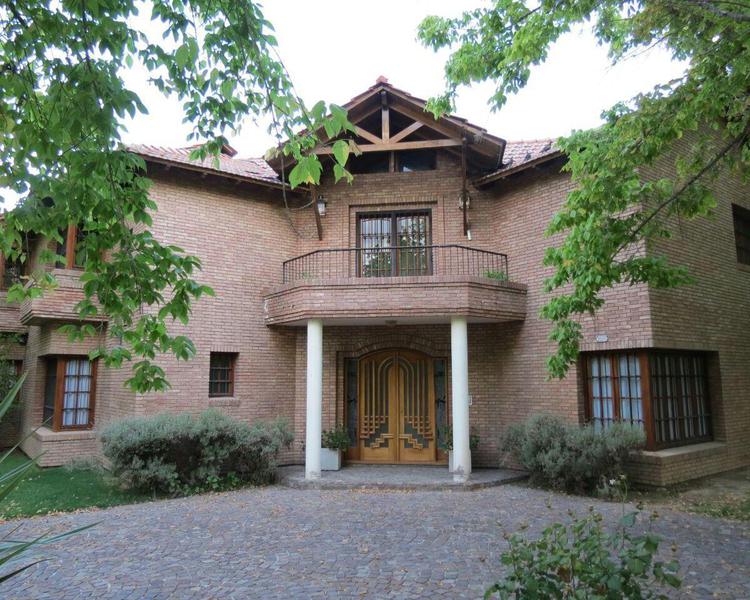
x=405 y=303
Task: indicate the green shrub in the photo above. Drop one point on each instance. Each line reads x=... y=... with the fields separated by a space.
x=336 y=439
x=180 y=454
x=567 y=457
x=497 y=275
x=582 y=560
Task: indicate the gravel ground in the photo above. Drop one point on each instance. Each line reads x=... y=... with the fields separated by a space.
x=286 y=543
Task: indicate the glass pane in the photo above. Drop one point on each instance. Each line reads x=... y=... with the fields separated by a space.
x=631 y=402
x=221 y=374
x=375 y=244
x=602 y=398
x=679 y=398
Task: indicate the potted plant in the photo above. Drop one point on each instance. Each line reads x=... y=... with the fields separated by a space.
x=333 y=442
x=447 y=444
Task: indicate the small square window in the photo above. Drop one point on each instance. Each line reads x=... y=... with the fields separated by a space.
x=221 y=374
x=742 y=233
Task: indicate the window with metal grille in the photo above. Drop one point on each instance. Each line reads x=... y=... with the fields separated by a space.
x=394 y=244
x=679 y=397
x=69 y=393
x=221 y=374
x=742 y=233
x=664 y=393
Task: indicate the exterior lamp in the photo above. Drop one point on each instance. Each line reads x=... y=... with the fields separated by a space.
x=322 y=206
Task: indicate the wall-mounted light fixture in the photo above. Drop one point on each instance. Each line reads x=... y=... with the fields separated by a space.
x=322 y=206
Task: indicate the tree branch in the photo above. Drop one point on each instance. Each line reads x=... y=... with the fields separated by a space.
x=737 y=141
x=709 y=5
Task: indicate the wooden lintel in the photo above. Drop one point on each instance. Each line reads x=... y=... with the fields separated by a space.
x=385 y=117
x=370 y=137
x=318 y=222
x=406 y=131
x=390 y=146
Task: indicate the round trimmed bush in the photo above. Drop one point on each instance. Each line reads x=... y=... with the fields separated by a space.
x=180 y=454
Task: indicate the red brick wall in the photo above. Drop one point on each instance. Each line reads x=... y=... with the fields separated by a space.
x=243 y=235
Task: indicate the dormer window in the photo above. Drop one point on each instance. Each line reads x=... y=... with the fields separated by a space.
x=372 y=162
x=416 y=160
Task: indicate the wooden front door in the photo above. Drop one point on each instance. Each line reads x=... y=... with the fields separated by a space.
x=397 y=408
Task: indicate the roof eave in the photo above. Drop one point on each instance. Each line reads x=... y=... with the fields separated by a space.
x=209 y=171
x=503 y=173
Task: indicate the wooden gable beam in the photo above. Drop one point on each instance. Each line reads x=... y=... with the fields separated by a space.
x=429 y=121
x=370 y=137
x=407 y=131
x=385 y=117
x=390 y=146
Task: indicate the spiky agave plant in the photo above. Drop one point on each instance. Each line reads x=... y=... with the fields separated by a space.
x=11 y=550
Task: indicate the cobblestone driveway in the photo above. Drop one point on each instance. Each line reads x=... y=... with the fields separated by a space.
x=283 y=543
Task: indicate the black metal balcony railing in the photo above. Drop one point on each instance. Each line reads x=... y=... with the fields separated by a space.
x=396 y=261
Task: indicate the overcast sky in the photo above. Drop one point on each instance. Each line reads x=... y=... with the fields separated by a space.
x=335 y=49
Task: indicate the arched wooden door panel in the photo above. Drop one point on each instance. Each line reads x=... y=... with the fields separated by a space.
x=397 y=408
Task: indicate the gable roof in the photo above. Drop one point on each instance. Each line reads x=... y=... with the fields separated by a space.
x=484 y=150
x=495 y=157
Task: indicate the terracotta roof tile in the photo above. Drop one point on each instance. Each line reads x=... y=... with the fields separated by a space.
x=520 y=152
x=520 y=155
x=251 y=168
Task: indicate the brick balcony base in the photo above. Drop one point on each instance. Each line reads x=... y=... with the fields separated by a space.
x=429 y=299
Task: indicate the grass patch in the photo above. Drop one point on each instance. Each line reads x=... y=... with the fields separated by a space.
x=731 y=507
x=63 y=489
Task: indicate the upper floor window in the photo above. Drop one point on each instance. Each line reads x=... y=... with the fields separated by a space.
x=416 y=160
x=10 y=272
x=369 y=162
x=742 y=233
x=664 y=393
x=394 y=243
x=221 y=374
x=69 y=392
x=71 y=249
x=404 y=161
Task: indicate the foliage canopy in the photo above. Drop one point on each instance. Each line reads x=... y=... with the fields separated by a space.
x=620 y=208
x=63 y=99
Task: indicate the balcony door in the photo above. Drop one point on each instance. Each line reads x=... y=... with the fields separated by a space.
x=397 y=408
x=394 y=244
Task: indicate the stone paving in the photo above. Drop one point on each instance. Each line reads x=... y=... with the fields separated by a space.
x=286 y=543
x=398 y=477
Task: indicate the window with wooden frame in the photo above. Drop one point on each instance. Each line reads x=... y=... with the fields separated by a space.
x=221 y=374
x=10 y=272
x=69 y=392
x=665 y=393
x=71 y=249
x=394 y=244
x=741 y=217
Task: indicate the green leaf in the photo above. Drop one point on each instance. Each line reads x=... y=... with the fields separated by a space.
x=341 y=152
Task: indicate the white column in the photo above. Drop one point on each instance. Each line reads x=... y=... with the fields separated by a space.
x=314 y=398
x=460 y=387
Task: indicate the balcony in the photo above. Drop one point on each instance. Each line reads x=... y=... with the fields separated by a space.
x=400 y=284
x=58 y=304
